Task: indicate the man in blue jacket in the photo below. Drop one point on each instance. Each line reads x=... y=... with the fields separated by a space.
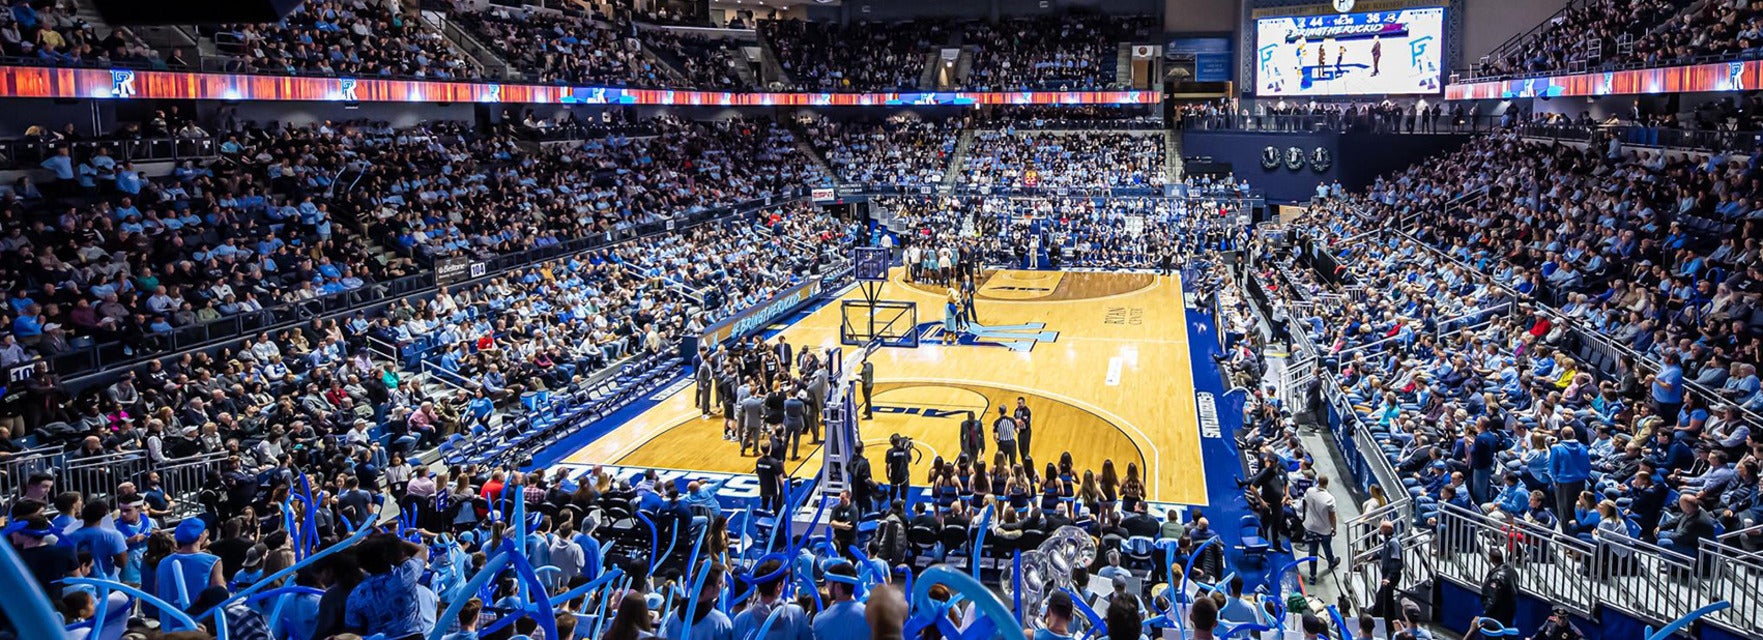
x=1570 y=465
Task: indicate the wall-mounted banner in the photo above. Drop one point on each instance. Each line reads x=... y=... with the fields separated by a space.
x=759 y=316
x=1718 y=76
x=59 y=82
x=452 y=270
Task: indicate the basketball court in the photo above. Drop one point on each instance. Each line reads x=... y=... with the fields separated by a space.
x=1101 y=358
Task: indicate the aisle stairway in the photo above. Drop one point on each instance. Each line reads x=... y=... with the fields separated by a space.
x=927 y=79
x=1172 y=162
x=486 y=58
x=770 y=71
x=956 y=162
x=1123 y=65
x=814 y=154
x=671 y=66
x=162 y=39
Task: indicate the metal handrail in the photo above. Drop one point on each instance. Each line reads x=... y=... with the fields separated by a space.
x=1736 y=576
x=1584 y=334
x=28 y=154
x=1554 y=566
x=101 y=357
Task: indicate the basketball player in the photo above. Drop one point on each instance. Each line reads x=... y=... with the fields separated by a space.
x=1376 y=54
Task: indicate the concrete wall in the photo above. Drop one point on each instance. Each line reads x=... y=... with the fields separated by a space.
x=299 y=113
x=1358 y=157
x=1201 y=16
x=1489 y=23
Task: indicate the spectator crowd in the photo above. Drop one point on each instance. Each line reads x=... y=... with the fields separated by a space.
x=1008 y=159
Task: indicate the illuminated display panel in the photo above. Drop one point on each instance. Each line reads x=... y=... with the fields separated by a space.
x=1350 y=54
x=1718 y=76
x=52 y=82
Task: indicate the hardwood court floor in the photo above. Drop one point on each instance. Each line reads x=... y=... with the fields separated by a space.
x=1102 y=359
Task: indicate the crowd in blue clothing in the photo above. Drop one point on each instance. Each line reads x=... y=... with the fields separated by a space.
x=101 y=253
x=1480 y=402
x=1010 y=159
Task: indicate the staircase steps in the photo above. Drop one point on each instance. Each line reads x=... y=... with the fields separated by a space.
x=928 y=79
x=1123 y=65
x=486 y=58
x=771 y=72
x=956 y=162
x=964 y=66
x=1172 y=162
x=162 y=39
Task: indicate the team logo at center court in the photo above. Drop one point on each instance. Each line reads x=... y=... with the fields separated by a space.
x=1015 y=337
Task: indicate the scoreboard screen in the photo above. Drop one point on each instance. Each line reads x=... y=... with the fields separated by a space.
x=1370 y=53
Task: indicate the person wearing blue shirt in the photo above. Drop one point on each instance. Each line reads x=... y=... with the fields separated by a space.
x=480 y=407
x=389 y=602
x=791 y=623
x=1238 y=610
x=28 y=326
x=199 y=570
x=1515 y=499
x=128 y=180
x=1569 y=466
x=62 y=164
x=105 y=165
x=1059 y=613
x=106 y=545
x=707 y=622
x=843 y=618
x=134 y=525
x=1481 y=461
x=1667 y=387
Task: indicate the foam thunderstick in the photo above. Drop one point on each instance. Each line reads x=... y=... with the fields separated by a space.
x=1168 y=615
x=361 y=531
x=1685 y=621
x=1098 y=624
x=1279 y=617
x=996 y=616
x=604 y=579
x=1335 y=613
x=104 y=587
x=697 y=580
x=1244 y=628
x=540 y=608
x=979 y=539
x=281 y=595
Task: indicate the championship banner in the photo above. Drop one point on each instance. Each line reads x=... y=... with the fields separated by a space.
x=759 y=316
x=100 y=83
